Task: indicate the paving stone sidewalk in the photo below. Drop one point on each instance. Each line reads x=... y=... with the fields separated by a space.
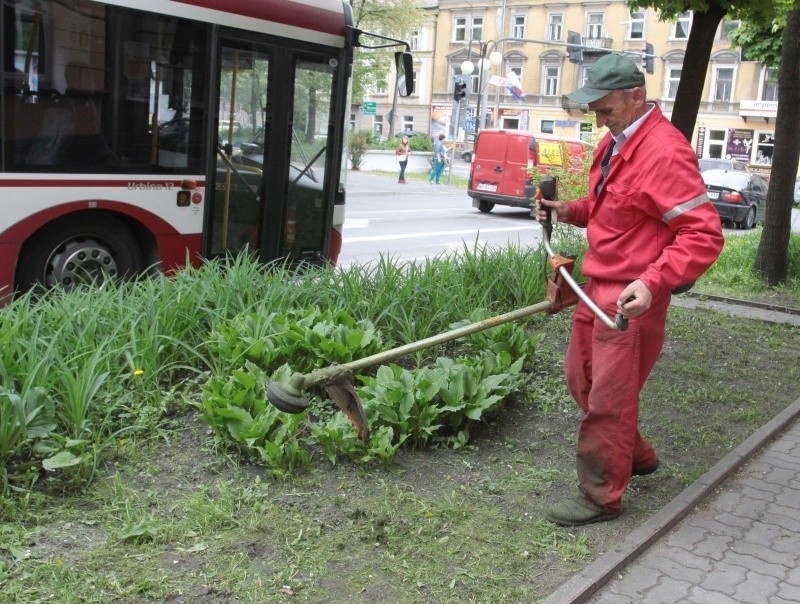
x=731 y=537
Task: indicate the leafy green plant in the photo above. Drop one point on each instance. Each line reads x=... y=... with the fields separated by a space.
x=357 y=146
x=236 y=408
x=305 y=338
x=24 y=420
x=573 y=178
x=434 y=405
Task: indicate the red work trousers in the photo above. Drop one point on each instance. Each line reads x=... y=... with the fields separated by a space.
x=605 y=371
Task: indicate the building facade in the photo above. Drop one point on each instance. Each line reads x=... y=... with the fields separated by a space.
x=526 y=43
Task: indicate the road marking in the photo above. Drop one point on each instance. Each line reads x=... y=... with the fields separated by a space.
x=437 y=234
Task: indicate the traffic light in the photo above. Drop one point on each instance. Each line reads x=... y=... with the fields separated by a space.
x=649 y=58
x=460 y=90
x=574 y=47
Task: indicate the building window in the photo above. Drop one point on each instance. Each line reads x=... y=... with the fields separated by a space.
x=518 y=26
x=352 y=121
x=727 y=27
x=673 y=79
x=467 y=28
x=547 y=126
x=594 y=25
x=517 y=71
x=380 y=88
x=716 y=143
x=460 y=29
x=723 y=84
x=477 y=28
x=550 y=78
x=408 y=123
x=766 y=142
x=377 y=124
x=586 y=131
x=413 y=40
x=680 y=29
x=768 y=85
x=584 y=73
x=555 y=26
x=636 y=24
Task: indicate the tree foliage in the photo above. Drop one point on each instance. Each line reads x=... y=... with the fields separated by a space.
x=707 y=16
x=393 y=18
x=761 y=38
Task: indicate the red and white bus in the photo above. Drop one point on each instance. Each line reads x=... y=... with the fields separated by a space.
x=139 y=135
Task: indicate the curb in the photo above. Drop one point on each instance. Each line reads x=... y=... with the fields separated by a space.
x=582 y=586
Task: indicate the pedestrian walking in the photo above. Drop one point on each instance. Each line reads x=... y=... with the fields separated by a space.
x=403 y=151
x=650 y=229
x=439 y=158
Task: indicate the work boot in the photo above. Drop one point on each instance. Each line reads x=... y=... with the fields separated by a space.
x=645 y=470
x=577 y=512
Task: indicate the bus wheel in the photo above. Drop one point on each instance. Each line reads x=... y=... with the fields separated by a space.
x=84 y=250
x=485 y=206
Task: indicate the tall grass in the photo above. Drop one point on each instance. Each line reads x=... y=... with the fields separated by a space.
x=110 y=362
x=80 y=370
x=733 y=273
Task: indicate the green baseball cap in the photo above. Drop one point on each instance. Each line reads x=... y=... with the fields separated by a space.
x=611 y=72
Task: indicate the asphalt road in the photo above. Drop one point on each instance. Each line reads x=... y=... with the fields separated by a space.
x=419 y=220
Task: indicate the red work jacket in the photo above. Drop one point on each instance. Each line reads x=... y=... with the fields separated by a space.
x=652 y=219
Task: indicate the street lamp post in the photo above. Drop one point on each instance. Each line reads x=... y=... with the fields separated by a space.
x=484 y=64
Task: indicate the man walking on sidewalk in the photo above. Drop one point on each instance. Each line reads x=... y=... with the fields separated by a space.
x=650 y=229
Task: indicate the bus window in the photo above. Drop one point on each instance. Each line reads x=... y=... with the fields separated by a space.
x=303 y=235
x=236 y=211
x=159 y=110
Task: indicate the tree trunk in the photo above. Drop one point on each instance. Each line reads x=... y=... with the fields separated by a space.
x=693 y=72
x=772 y=256
x=311 y=125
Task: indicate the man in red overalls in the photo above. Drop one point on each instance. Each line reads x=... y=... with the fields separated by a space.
x=650 y=229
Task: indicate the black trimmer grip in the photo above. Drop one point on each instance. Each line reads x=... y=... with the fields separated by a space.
x=621 y=321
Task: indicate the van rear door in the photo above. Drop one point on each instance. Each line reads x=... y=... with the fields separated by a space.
x=488 y=162
x=499 y=167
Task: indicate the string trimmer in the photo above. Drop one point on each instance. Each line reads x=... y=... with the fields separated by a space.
x=562 y=291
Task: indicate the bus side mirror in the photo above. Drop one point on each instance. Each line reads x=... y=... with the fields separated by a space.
x=404 y=67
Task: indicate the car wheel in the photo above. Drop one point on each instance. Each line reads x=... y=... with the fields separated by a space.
x=88 y=250
x=466 y=156
x=485 y=206
x=749 y=221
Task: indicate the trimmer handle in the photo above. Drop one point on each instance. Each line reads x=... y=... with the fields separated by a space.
x=548 y=189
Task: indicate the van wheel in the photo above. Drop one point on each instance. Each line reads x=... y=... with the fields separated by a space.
x=90 y=249
x=485 y=206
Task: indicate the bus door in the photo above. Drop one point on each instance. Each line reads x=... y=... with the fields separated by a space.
x=273 y=117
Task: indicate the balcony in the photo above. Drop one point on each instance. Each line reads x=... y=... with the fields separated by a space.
x=592 y=45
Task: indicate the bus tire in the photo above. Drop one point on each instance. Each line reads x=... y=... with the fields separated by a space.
x=83 y=249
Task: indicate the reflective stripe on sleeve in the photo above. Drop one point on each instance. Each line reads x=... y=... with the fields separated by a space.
x=684 y=207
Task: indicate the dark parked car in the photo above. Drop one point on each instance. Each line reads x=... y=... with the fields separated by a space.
x=740 y=197
x=721 y=164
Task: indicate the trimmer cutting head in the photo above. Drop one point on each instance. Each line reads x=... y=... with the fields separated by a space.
x=283 y=400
